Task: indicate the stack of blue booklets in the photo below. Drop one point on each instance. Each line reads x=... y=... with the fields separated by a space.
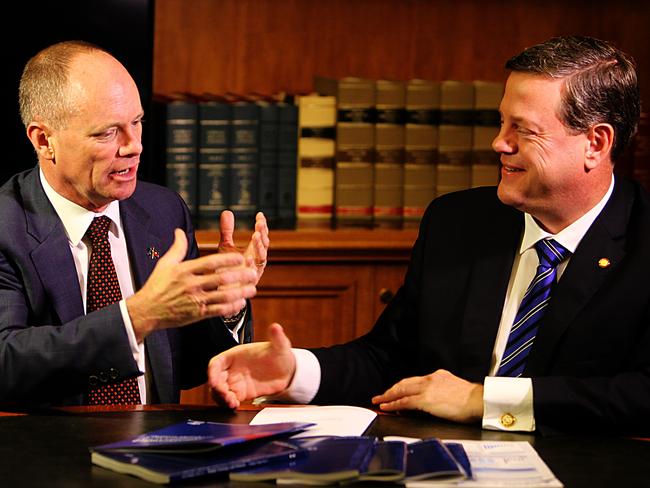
x=257 y=453
x=197 y=449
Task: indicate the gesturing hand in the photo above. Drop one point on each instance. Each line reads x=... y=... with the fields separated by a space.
x=256 y=251
x=440 y=393
x=181 y=292
x=248 y=371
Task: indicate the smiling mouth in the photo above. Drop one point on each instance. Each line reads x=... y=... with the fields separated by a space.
x=510 y=169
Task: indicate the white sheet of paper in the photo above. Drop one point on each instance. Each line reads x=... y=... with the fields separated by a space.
x=340 y=420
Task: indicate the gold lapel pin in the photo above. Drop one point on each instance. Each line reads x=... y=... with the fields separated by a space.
x=604 y=263
x=153 y=253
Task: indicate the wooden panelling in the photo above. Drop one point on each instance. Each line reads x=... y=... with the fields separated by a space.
x=272 y=45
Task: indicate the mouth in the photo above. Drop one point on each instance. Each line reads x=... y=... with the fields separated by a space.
x=511 y=169
x=124 y=172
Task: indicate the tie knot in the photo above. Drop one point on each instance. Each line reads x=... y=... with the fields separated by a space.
x=551 y=253
x=98 y=229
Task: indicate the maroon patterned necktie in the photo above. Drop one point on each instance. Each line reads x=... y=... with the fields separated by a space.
x=104 y=289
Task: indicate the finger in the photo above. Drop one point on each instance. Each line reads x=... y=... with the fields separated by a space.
x=403 y=388
x=177 y=251
x=261 y=226
x=405 y=403
x=227 y=229
x=213 y=262
x=280 y=343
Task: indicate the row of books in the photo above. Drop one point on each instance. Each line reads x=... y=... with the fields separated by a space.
x=353 y=153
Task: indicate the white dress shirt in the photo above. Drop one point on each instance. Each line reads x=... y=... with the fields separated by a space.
x=510 y=396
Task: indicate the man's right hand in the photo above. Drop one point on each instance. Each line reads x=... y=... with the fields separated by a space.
x=180 y=292
x=248 y=371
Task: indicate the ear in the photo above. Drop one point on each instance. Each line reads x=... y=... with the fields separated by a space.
x=39 y=135
x=600 y=139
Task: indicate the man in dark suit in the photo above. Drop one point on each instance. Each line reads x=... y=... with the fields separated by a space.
x=451 y=342
x=82 y=114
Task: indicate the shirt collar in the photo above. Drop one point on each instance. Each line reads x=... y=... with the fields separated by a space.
x=570 y=236
x=77 y=219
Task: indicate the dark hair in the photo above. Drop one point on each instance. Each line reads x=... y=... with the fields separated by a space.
x=600 y=83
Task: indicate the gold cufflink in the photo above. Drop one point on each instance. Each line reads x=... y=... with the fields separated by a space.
x=604 y=263
x=507 y=420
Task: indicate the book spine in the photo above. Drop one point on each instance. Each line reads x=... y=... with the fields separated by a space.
x=181 y=155
x=485 y=161
x=355 y=143
x=244 y=166
x=316 y=151
x=214 y=161
x=388 y=197
x=268 y=163
x=455 y=136
x=421 y=148
x=287 y=165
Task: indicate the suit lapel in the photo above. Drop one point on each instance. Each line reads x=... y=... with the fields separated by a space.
x=145 y=247
x=583 y=277
x=487 y=289
x=51 y=257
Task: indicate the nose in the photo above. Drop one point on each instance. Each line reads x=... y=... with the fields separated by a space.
x=504 y=142
x=132 y=142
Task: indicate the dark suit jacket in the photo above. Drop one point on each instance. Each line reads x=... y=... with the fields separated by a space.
x=48 y=348
x=590 y=362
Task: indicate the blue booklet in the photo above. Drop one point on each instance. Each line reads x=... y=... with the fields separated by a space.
x=196 y=449
x=198 y=435
x=324 y=460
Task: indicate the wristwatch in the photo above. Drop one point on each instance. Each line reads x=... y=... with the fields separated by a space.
x=232 y=320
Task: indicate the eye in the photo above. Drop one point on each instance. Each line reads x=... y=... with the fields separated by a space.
x=107 y=134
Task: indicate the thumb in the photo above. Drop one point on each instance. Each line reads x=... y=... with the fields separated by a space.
x=178 y=250
x=280 y=343
x=227 y=228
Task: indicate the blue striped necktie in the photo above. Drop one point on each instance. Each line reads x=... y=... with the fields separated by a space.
x=532 y=308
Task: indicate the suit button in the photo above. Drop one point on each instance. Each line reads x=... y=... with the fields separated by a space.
x=93 y=380
x=113 y=374
x=507 y=420
x=103 y=377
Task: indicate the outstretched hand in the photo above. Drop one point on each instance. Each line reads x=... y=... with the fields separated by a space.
x=256 y=251
x=248 y=371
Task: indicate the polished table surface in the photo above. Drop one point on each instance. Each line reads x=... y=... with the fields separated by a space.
x=49 y=448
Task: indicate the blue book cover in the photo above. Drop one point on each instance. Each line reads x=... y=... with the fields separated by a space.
x=430 y=458
x=164 y=467
x=201 y=436
x=324 y=459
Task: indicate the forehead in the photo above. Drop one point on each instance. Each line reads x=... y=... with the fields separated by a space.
x=98 y=84
x=529 y=95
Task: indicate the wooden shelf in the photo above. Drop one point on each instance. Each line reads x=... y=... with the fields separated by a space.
x=323 y=245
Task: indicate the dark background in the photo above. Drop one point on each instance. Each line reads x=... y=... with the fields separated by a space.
x=123 y=27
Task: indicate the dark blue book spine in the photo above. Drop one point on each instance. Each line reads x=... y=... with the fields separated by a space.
x=214 y=162
x=181 y=143
x=244 y=168
x=268 y=163
x=287 y=165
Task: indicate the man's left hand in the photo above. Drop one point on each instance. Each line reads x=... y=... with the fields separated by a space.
x=440 y=393
x=256 y=251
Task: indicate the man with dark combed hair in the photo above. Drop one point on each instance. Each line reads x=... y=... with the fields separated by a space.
x=524 y=306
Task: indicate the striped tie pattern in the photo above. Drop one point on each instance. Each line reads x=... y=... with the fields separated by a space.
x=104 y=289
x=532 y=308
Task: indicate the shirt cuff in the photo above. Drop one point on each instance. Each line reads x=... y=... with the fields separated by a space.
x=305 y=382
x=508 y=404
